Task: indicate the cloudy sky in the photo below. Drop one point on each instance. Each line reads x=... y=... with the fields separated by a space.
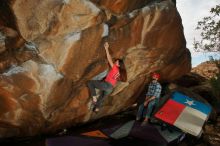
x=191 y=12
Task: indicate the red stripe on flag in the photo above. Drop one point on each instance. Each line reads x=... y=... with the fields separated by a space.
x=170 y=111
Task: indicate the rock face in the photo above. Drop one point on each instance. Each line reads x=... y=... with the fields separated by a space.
x=50 y=48
x=206 y=69
x=210 y=71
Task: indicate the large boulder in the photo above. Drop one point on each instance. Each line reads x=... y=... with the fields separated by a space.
x=59 y=47
x=208 y=69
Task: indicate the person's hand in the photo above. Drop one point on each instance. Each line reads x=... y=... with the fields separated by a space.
x=106 y=45
x=146 y=103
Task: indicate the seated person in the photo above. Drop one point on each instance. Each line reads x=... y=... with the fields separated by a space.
x=151 y=100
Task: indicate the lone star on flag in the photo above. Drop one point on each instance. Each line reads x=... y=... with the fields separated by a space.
x=190 y=103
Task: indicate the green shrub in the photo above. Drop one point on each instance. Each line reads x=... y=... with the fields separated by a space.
x=215 y=82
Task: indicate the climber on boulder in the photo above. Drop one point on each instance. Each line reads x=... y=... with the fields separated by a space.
x=116 y=73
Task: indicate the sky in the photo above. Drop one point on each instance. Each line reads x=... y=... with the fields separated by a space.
x=191 y=12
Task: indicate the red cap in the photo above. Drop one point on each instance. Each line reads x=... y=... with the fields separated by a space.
x=156 y=75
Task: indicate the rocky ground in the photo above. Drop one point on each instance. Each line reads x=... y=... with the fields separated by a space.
x=212 y=133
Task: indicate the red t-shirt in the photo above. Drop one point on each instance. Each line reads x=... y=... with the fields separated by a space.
x=113 y=75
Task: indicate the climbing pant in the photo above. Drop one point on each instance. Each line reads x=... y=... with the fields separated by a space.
x=105 y=88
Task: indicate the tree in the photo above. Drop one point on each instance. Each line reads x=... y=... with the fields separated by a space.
x=215 y=84
x=215 y=81
x=210 y=32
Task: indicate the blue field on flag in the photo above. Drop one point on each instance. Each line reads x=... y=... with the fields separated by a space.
x=183 y=99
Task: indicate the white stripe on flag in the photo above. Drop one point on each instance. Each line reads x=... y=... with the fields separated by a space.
x=191 y=121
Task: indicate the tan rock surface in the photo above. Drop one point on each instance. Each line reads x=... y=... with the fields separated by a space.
x=206 y=69
x=43 y=85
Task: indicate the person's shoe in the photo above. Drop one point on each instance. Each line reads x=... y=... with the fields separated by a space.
x=96 y=110
x=138 y=118
x=90 y=105
x=144 y=123
x=63 y=132
x=94 y=99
